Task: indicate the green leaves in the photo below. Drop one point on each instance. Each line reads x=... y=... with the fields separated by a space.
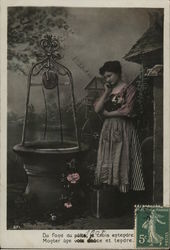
x=26 y=27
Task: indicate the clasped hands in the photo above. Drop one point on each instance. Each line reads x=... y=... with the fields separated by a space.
x=109 y=113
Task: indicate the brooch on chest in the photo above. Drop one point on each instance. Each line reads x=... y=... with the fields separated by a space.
x=115 y=101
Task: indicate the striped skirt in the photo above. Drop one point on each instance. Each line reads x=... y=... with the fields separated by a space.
x=119 y=160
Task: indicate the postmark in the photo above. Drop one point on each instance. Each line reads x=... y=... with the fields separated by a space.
x=152 y=227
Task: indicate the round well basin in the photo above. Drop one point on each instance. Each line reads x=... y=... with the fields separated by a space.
x=44 y=163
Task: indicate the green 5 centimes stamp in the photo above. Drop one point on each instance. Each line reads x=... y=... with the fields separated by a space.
x=152 y=227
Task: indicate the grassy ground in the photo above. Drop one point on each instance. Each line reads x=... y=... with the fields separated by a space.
x=19 y=216
x=124 y=222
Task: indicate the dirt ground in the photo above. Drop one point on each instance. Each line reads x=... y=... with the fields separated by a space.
x=87 y=223
x=19 y=218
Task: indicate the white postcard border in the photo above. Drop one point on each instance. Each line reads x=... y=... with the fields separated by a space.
x=33 y=238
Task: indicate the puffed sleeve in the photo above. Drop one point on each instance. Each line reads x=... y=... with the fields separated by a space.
x=127 y=107
x=98 y=98
x=95 y=102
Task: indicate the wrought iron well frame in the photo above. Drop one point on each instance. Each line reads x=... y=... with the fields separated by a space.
x=51 y=47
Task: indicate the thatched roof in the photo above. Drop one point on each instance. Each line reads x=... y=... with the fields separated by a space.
x=150 y=43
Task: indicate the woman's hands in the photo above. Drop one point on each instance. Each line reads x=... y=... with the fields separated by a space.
x=110 y=113
x=106 y=113
x=107 y=89
x=113 y=113
x=118 y=113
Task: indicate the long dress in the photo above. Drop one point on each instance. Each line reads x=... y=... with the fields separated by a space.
x=150 y=225
x=119 y=161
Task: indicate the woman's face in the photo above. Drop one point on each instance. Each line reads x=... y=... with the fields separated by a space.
x=111 y=77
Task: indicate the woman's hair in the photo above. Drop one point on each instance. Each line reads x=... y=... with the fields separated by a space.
x=111 y=66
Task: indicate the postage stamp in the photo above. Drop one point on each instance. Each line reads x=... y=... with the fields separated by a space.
x=152 y=227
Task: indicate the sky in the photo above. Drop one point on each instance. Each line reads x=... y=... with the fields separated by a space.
x=96 y=35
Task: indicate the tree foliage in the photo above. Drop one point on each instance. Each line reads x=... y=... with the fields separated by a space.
x=26 y=27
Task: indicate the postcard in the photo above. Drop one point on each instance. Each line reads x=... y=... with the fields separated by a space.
x=85 y=121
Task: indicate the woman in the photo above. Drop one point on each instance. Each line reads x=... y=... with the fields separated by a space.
x=119 y=162
x=150 y=225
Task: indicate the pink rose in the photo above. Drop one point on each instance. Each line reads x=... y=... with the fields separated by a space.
x=73 y=178
x=68 y=204
x=76 y=176
x=69 y=177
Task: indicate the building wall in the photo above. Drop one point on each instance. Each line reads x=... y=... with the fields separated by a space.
x=158 y=140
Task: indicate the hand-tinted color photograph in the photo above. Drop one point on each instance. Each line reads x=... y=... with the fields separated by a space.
x=85 y=116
